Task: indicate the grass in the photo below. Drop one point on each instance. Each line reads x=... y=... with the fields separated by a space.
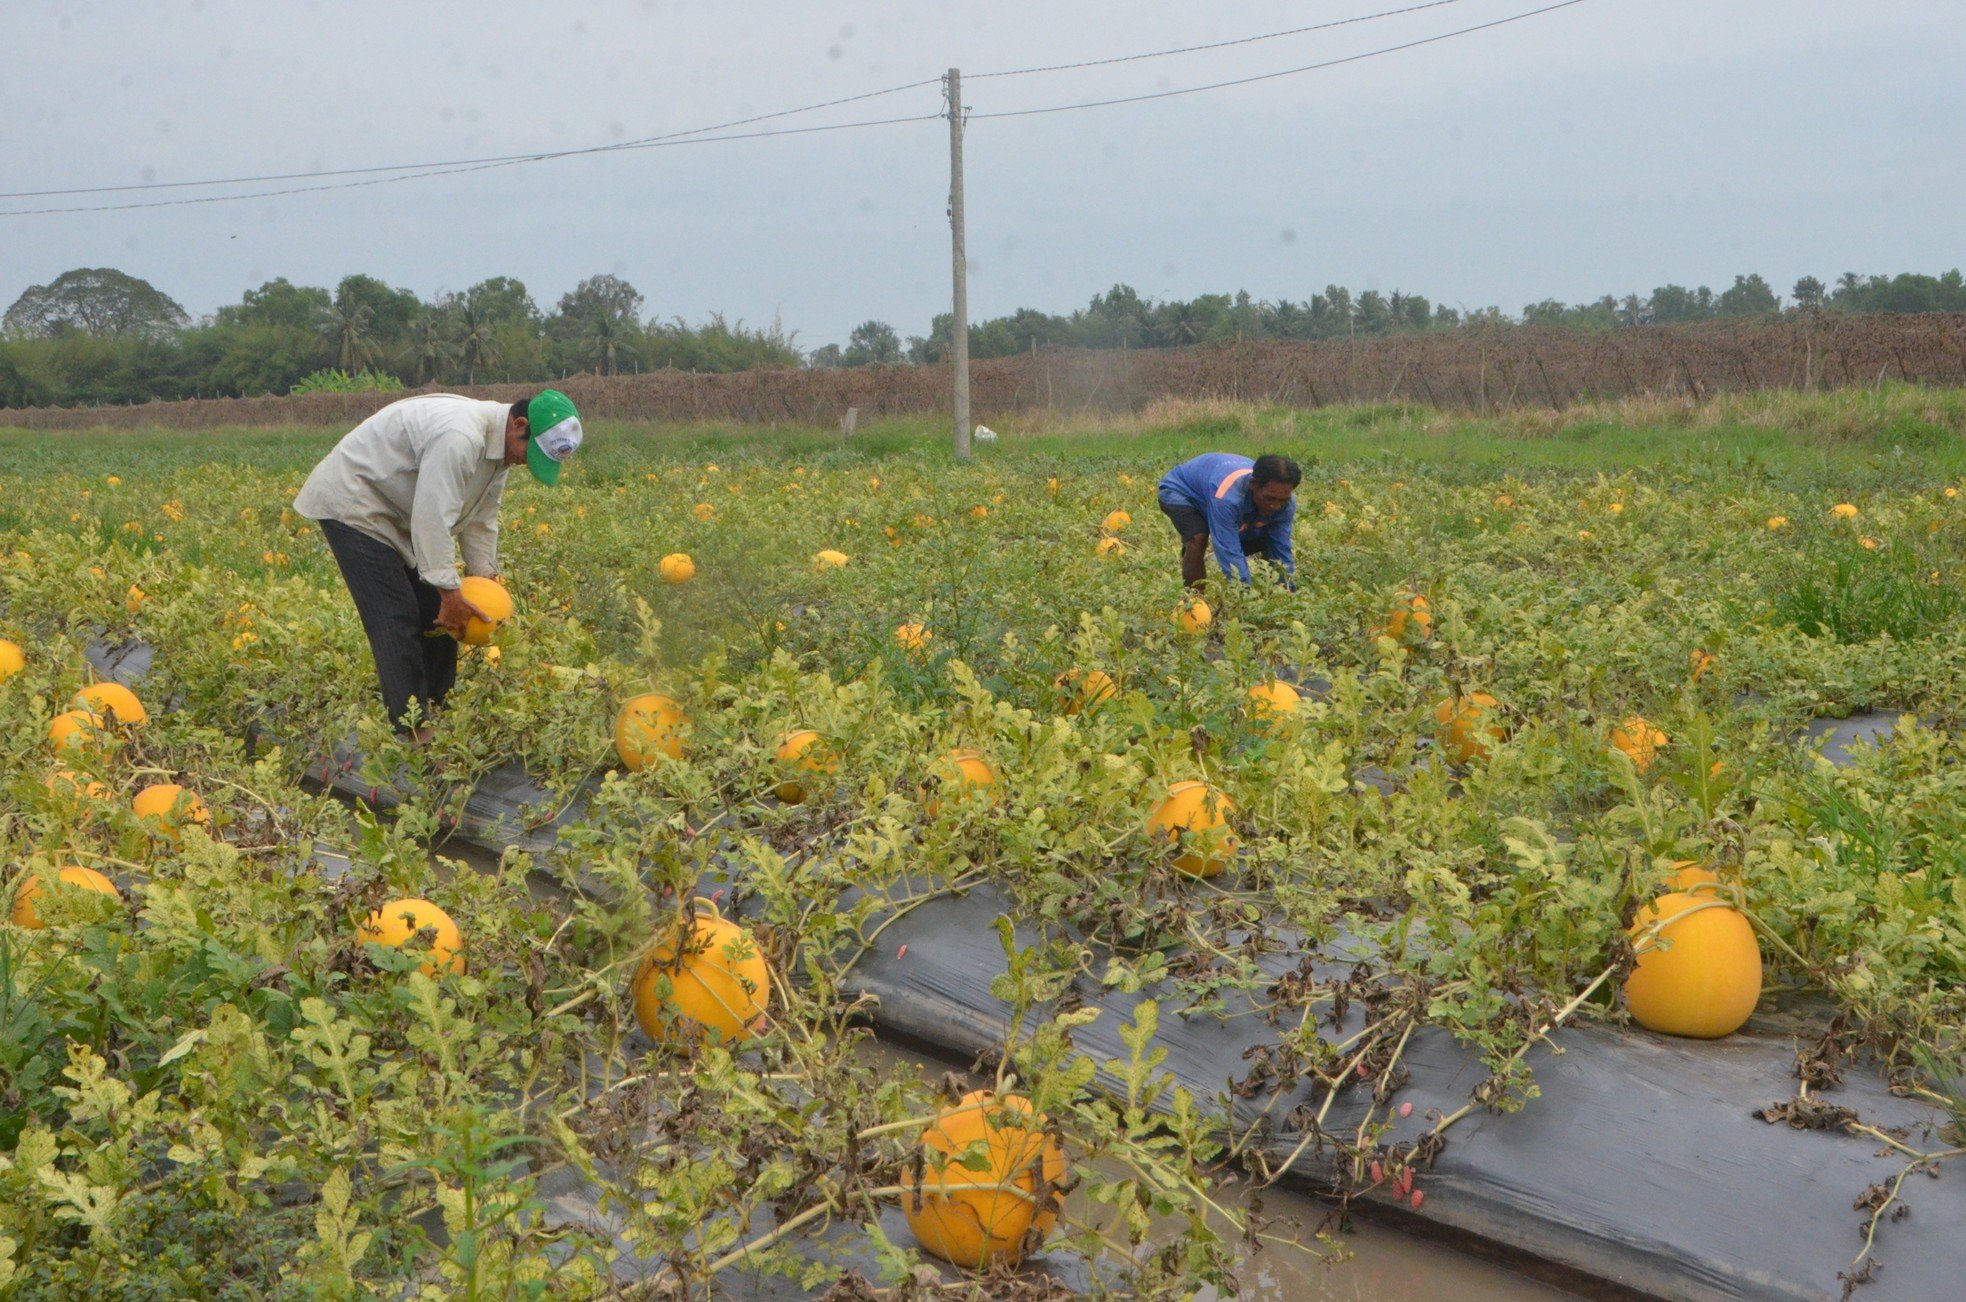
x=1897 y=434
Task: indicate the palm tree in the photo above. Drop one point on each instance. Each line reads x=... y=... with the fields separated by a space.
x=431 y=349
x=346 y=331
x=606 y=338
x=476 y=342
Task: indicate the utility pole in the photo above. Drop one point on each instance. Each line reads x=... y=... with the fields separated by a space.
x=959 y=322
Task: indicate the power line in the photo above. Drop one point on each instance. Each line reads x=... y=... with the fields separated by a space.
x=510 y=161
x=449 y=166
x=1286 y=72
x=1212 y=45
x=470 y=162
x=699 y=136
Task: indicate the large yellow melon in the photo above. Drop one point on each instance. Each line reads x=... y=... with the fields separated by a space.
x=397 y=923
x=677 y=567
x=490 y=597
x=828 y=560
x=12 y=659
x=1194 y=817
x=649 y=725
x=169 y=808
x=1194 y=616
x=112 y=701
x=1115 y=521
x=75 y=730
x=719 y=985
x=1470 y=726
x=970 y=1216
x=1703 y=976
x=802 y=750
x=88 y=879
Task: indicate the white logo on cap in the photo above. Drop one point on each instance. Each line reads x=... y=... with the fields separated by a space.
x=560 y=441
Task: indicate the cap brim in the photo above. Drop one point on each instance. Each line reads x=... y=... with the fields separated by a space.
x=544 y=468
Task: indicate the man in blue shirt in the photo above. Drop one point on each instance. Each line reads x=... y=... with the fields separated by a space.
x=1244 y=507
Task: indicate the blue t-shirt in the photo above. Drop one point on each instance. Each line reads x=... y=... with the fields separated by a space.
x=1217 y=485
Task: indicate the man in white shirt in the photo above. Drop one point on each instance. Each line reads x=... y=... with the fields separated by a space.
x=398 y=497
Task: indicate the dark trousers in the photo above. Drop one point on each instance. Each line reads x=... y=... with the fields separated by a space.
x=398 y=610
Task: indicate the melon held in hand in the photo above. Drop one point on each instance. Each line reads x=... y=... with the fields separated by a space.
x=492 y=601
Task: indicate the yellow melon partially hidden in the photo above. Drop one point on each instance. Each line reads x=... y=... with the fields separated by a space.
x=88 y=879
x=1410 y=619
x=649 y=725
x=1080 y=690
x=12 y=659
x=718 y=983
x=398 y=923
x=169 y=808
x=112 y=701
x=1272 y=703
x=1702 y=978
x=1003 y=1210
x=75 y=730
x=490 y=597
x=1638 y=739
x=806 y=751
x=1194 y=616
x=1194 y=816
x=1470 y=726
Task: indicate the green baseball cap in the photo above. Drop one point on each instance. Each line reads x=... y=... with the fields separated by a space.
x=555 y=433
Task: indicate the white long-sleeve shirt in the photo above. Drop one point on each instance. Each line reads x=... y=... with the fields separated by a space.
x=417 y=475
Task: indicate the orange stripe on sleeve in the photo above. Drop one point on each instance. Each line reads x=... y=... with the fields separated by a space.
x=1229 y=481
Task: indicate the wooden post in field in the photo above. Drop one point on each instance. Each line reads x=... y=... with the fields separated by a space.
x=959 y=321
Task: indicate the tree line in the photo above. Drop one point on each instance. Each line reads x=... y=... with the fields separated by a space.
x=99 y=335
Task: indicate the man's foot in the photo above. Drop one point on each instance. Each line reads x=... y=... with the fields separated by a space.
x=422 y=736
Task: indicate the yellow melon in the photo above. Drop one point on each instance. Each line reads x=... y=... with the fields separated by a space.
x=401 y=923
x=75 y=730
x=113 y=702
x=1111 y=547
x=69 y=786
x=490 y=597
x=964 y=773
x=1638 y=739
x=1115 y=521
x=1409 y=620
x=803 y=750
x=912 y=638
x=828 y=560
x=1194 y=817
x=1470 y=726
x=12 y=659
x=1702 y=976
x=649 y=725
x=1272 y=703
x=1194 y=616
x=169 y=808
x=677 y=567
x=969 y=1216
x=1081 y=690
x=718 y=984
x=88 y=879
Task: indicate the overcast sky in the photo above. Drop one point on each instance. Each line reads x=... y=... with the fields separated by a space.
x=1608 y=146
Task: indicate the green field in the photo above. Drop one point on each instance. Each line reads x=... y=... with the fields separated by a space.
x=193 y=1059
